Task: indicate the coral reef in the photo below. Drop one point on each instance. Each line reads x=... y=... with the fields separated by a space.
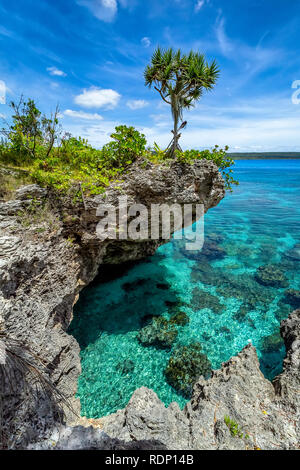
x=202 y=299
x=160 y=333
x=271 y=275
x=185 y=366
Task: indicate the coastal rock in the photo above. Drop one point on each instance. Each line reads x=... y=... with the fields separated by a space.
x=31 y=191
x=42 y=273
x=267 y=415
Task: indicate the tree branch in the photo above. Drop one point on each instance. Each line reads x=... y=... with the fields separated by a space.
x=160 y=92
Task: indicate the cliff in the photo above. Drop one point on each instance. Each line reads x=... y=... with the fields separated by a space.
x=44 y=263
x=49 y=251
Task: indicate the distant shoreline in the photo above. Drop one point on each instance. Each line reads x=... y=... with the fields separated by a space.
x=265 y=155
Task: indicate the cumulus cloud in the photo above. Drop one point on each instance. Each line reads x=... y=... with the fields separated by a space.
x=83 y=115
x=137 y=104
x=56 y=72
x=98 y=98
x=146 y=41
x=104 y=10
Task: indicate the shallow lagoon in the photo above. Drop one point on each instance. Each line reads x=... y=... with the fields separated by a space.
x=256 y=225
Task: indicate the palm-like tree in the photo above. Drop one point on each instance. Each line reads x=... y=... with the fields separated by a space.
x=180 y=80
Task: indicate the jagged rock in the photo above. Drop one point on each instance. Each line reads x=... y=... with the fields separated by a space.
x=44 y=276
x=82 y=438
x=271 y=275
x=270 y=417
x=32 y=191
x=146 y=417
x=12 y=208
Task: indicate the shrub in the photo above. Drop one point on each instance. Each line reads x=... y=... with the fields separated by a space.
x=128 y=144
x=216 y=155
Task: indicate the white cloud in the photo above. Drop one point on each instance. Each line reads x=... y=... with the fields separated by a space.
x=104 y=10
x=199 y=5
x=3 y=91
x=137 y=104
x=98 y=98
x=146 y=41
x=267 y=124
x=56 y=72
x=83 y=115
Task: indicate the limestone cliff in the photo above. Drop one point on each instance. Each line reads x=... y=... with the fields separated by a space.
x=43 y=267
x=46 y=261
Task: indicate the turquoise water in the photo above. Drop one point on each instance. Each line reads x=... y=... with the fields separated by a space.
x=255 y=226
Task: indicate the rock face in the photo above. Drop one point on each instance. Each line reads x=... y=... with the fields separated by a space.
x=42 y=270
x=43 y=267
x=267 y=414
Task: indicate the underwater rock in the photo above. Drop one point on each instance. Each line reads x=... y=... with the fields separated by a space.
x=292 y=297
x=174 y=305
x=147 y=319
x=202 y=299
x=185 y=366
x=273 y=342
x=205 y=273
x=180 y=318
x=132 y=286
x=282 y=311
x=160 y=333
x=225 y=331
x=215 y=237
x=125 y=367
x=243 y=287
x=163 y=285
x=209 y=251
x=271 y=275
x=294 y=253
x=242 y=312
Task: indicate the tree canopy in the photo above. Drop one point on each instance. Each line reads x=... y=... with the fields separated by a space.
x=181 y=80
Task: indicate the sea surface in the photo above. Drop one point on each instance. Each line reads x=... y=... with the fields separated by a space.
x=226 y=302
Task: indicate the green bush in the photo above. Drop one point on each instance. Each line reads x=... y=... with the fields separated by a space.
x=36 y=143
x=128 y=144
x=216 y=155
x=234 y=428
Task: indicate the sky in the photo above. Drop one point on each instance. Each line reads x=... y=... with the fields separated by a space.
x=89 y=56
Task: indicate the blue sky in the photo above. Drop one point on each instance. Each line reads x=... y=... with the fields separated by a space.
x=89 y=56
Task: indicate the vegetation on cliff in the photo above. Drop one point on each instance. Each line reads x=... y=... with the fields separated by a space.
x=53 y=158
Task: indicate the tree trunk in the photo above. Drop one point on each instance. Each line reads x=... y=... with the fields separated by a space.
x=173 y=146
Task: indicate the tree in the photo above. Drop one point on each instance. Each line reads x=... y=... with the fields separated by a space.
x=180 y=80
x=30 y=129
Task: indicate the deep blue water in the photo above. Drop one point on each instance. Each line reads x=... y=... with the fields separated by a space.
x=255 y=226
